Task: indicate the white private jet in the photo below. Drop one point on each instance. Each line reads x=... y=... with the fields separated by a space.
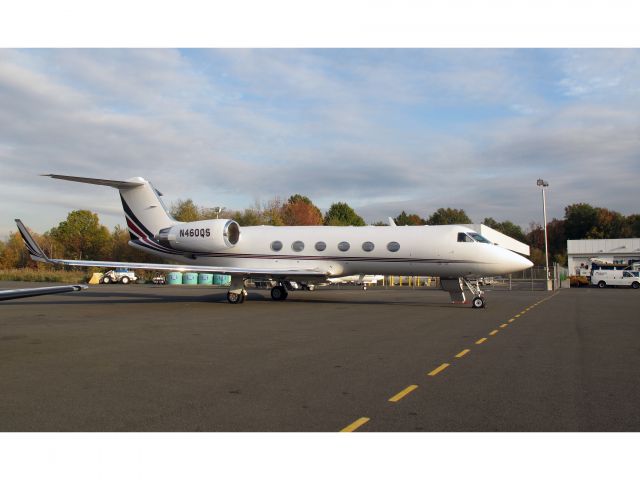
x=309 y=254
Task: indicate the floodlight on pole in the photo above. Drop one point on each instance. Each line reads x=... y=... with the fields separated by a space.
x=541 y=183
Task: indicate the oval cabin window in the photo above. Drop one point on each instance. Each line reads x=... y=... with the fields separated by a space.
x=297 y=246
x=321 y=246
x=344 y=246
x=368 y=246
x=393 y=246
x=276 y=246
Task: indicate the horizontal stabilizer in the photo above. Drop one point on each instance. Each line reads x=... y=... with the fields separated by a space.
x=97 y=181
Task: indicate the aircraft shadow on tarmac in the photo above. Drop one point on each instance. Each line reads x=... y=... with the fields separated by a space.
x=260 y=296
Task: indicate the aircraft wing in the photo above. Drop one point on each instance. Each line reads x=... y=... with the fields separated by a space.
x=38 y=255
x=34 y=292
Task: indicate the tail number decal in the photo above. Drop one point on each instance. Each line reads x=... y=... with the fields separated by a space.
x=195 y=232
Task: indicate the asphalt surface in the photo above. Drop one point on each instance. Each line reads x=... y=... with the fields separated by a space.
x=165 y=358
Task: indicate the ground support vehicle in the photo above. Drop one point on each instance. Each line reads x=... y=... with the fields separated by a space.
x=119 y=275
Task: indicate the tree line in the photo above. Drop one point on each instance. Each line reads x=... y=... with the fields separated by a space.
x=81 y=236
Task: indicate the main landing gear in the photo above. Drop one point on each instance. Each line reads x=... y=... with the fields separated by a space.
x=237 y=293
x=279 y=293
x=233 y=297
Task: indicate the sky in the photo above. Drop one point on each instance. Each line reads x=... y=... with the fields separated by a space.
x=385 y=130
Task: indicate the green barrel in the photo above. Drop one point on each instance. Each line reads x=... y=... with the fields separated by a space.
x=221 y=279
x=190 y=278
x=205 y=279
x=174 y=278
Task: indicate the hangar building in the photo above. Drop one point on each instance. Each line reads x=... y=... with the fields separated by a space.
x=612 y=250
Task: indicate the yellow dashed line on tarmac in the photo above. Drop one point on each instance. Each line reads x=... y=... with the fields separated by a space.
x=355 y=425
x=403 y=393
x=463 y=353
x=436 y=371
x=400 y=395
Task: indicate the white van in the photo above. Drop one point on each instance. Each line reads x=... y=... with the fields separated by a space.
x=611 y=278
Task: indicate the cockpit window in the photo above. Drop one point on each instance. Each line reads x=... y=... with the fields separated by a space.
x=478 y=238
x=471 y=237
x=463 y=237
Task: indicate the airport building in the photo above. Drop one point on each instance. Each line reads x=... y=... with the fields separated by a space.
x=611 y=250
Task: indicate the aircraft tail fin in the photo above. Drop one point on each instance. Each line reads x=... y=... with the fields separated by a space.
x=35 y=251
x=144 y=211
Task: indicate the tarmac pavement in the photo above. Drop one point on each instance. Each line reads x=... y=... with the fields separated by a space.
x=180 y=358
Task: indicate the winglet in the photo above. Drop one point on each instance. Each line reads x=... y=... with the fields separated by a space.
x=35 y=251
x=391 y=222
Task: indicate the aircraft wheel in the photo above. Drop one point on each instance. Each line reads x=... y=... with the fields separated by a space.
x=235 y=297
x=279 y=293
x=478 y=302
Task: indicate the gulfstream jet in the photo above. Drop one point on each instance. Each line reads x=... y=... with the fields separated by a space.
x=308 y=254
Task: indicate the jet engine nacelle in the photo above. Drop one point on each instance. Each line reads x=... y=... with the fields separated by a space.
x=202 y=236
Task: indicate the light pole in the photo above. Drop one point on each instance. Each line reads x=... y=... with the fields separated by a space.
x=541 y=183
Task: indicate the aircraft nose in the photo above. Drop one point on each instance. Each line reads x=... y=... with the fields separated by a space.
x=518 y=263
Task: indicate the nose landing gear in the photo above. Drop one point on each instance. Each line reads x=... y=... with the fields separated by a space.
x=478 y=302
x=478 y=295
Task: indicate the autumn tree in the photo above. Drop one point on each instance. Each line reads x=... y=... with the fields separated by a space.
x=13 y=252
x=185 y=211
x=409 y=219
x=507 y=227
x=342 y=214
x=248 y=217
x=580 y=218
x=272 y=212
x=300 y=210
x=81 y=235
x=633 y=222
x=449 y=216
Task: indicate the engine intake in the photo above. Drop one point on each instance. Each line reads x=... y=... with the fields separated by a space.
x=202 y=236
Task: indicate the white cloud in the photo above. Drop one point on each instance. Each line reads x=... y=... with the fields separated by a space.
x=383 y=130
